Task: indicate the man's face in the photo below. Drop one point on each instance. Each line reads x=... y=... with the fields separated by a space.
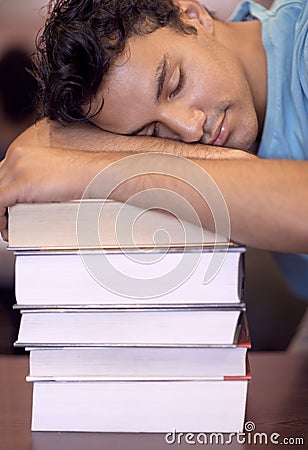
x=184 y=87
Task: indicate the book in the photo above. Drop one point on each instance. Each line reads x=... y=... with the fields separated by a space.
x=67 y=363
x=188 y=326
x=99 y=223
x=195 y=405
x=100 y=278
x=147 y=362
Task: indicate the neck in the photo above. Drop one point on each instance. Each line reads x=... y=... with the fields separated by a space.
x=243 y=39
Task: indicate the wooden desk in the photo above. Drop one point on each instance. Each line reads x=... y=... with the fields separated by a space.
x=277 y=403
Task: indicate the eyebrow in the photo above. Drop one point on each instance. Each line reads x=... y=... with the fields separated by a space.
x=160 y=77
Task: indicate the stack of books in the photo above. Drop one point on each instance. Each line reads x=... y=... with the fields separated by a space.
x=133 y=322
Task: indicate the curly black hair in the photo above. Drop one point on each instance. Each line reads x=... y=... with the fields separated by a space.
x=80 y=40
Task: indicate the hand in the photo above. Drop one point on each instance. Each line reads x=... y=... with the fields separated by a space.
x=41 y=174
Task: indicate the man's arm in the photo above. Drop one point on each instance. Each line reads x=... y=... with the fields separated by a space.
x=88 y=137
x=267 y=199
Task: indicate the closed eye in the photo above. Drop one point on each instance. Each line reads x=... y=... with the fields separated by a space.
x=180 y=84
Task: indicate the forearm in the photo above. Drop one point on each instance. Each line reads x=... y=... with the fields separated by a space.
x=85 y=136
x=267 y=199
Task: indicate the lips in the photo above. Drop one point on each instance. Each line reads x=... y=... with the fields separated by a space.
x=221 y=133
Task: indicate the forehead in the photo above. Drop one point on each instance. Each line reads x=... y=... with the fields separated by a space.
x=128 y=92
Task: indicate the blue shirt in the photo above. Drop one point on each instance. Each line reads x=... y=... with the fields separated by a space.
x=285 y=132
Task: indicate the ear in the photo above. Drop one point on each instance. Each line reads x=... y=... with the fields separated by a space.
x=195 y=11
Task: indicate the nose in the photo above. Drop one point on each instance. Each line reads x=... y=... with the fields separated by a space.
x=185 y=125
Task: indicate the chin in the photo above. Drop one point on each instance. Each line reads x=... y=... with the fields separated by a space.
x=240 y=144
x=246 y=140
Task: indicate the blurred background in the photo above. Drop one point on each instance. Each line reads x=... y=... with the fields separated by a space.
x=274 y=312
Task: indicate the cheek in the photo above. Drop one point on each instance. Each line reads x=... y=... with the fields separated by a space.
x=245 y=128
x=224 y=75
x=211 y=84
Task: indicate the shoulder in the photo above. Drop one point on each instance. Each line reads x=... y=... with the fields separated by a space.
x=278 y=9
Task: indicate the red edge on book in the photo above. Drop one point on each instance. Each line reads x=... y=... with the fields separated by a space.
x=241 y=377
x=237 y=378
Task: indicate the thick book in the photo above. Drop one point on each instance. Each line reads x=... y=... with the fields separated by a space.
x=194 y=405
x=99 y=223
x=186 y=326
x=71 y=363
x=95 y=277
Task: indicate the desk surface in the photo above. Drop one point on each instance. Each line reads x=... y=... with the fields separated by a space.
x=277 y=403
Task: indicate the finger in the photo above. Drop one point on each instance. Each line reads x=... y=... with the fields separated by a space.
x=9 y=195
x=4 y=235
x=5 y=195
x=2 y=164
x=3 y=216
x=3 y=224
x=3 y=171
x=1 y=168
